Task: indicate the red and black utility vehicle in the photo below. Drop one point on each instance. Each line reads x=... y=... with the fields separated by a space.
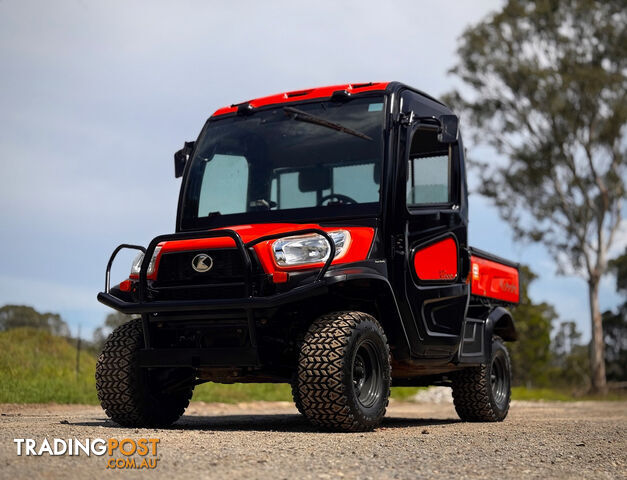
x=321 y=240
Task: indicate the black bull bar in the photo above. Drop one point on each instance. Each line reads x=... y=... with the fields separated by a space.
x=194 y=357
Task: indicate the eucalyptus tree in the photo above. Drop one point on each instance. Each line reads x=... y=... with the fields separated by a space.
x=544 y=83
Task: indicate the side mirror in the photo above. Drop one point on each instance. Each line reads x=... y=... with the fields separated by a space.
x=449 y=128
x=181 y=157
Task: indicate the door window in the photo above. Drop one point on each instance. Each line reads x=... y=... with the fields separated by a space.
x=428 y=171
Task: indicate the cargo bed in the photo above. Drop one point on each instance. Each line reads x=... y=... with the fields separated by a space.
x=494 y=278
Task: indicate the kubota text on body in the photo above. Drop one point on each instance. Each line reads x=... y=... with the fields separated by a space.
x=321 y=241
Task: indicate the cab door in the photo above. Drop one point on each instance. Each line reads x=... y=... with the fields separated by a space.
x=433 y=228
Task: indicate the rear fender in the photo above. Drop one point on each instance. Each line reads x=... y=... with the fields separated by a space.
x=476 y=345
x=500 y=322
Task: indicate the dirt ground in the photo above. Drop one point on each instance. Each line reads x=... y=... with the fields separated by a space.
x=271 y=441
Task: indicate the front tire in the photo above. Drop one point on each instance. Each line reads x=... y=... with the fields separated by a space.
x=134 y=396
x=482 y=394
x=344 y=372
x=298 y=403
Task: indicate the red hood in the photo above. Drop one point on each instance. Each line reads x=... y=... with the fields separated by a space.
x=361 y=239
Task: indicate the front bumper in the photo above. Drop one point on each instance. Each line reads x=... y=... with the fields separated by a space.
x=214 y=357
x=249 y=303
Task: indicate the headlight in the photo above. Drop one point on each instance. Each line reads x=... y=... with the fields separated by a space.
x=137 y=263
x=304 y=249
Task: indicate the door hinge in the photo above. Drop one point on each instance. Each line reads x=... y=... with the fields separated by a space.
x=406 y=118
x=465 y=261
x=398 y=244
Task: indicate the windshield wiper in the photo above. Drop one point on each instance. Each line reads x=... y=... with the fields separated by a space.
x=297 y=114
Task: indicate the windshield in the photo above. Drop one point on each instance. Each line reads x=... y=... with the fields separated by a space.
x=324 y=156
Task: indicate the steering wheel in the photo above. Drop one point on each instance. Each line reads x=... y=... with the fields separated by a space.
x=337 y=196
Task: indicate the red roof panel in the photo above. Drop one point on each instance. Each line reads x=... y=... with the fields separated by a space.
x=308 y=94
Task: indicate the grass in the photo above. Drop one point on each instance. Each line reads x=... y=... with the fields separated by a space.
x=562 y=395
x=541 y=394
x=37 y=367
x=405 y=393
x=242 y=392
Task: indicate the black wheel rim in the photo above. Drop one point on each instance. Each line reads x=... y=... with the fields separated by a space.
x=499 y=379
x=367 y=370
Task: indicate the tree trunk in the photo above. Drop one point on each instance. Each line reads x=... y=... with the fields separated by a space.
x=597 y=352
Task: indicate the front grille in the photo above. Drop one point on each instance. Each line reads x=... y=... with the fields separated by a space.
x=175 y=268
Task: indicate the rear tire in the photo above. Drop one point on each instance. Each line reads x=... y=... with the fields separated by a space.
x=344 y=372
x=482 y=394
x=133 y=396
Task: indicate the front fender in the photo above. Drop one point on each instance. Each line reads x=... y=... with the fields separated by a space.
x=366 y=285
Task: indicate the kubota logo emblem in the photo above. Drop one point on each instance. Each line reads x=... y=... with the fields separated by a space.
x=202 y=263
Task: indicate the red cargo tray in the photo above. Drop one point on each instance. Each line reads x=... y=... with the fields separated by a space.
x=493 y=277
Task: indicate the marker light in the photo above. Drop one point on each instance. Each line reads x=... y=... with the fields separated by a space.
x=137 y=263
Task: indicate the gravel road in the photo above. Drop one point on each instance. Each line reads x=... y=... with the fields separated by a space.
x=270 y=440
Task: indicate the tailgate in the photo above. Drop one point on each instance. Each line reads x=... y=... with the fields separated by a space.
x=493 y=277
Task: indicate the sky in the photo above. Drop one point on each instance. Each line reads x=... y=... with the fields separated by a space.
x=95 y=97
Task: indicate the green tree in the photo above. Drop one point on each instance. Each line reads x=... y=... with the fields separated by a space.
x=112 y=321
x=615 y=327
x=531 y=355
x=619 y=266
x=615 y=330
x=545 y=85
x=571 y=365
x=15 y=316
